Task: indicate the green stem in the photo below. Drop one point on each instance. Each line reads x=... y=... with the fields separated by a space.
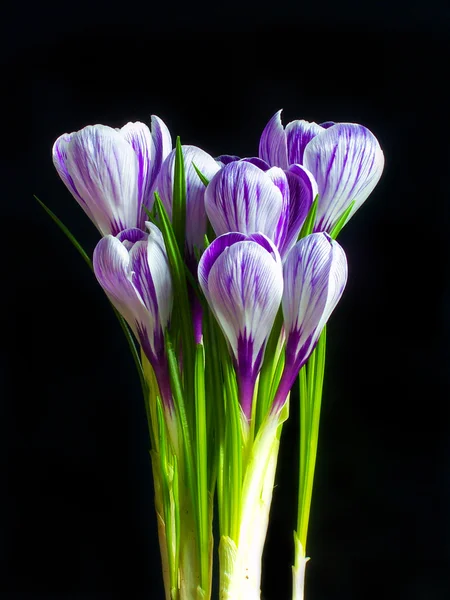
x=311 y=387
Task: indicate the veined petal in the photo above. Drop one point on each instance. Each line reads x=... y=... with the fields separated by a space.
x=195 y=190
x=346 y=161
x=243 y=283
x=59 y=153
x=302 y=192
x=273 y=143
x=161 y=148
x=241 y=197
x=278 y=176
x=102 y=169
x=258 y=162
x=298 y=134
x=138 y=135
x=111 y=262
x=225 y=159
x=315 y=274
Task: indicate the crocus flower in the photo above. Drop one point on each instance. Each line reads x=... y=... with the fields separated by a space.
x=195 y=191
x=242 y=279
x=344 y=158
x=249 y=196
x=110 y=172
x=133 y=270
x=315 y=274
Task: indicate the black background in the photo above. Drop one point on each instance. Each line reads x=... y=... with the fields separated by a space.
x=76 y=518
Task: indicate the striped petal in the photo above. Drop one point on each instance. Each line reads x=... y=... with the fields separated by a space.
x=195 y=191
x=137 y=281
x=315 y=274
x=100 y=168
x=139 y=136
x=161 y=148
x=241 y=277
x=298 y=135
x=273 y=143
x=241 y=197
x=346 y=161
x=302 y=192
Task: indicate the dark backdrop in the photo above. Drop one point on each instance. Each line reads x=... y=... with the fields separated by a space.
x=76 y=517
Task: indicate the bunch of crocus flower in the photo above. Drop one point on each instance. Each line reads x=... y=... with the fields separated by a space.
x=223 y=273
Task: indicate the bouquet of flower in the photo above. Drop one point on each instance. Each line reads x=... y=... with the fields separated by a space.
x=222 y=273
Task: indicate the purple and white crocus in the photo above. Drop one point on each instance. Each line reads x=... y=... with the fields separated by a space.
x=345 y=159
x=133 y=270
x=242 y=279
x=111 y=172
x=245 y=196
x=315 y=274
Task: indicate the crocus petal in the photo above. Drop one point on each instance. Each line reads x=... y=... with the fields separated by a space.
x=195 y=190
x=161 y=148
x=258 y=162
x=241 y=197
x=273 y=143
x=298 y=134
x=138 y=283
x=315 y=274
x=243 y=284
x=278 y=176
x=327 y=124
x=346 y=161
x=225 y=159
x=111 y=263
x=138 y=135
x=101 y=170
x=302 y=192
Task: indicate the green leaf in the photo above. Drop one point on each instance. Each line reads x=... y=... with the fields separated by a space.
x=342 y=221
x=201 y=454
x=181 y=317
x=179 y=197
x=66 y=231
x=203 y=179
x=308 y=225
x=123 y=323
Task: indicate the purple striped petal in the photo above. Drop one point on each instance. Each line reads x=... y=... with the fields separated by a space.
x=138 y=283
x=346 y=160
x=225 y=159
x=138 y=135
x=243 y=284
x=258 y=162
x=100 y=168
x=273 y=143
x=303 y=190
x=243 y=198
x=298 y=134
x=161 y=148
x=195 y=191
x=315 y=274
x=327 y=124
x=278 y=176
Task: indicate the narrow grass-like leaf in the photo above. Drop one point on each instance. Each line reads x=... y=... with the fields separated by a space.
x=308 y=225
x=342 y=221
x=181 y=316
x=201 y=454
x=267 y=371
x=123 y=324
x=67 y=232
x=311 y=388
x=203 y=179
x=179 y=197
